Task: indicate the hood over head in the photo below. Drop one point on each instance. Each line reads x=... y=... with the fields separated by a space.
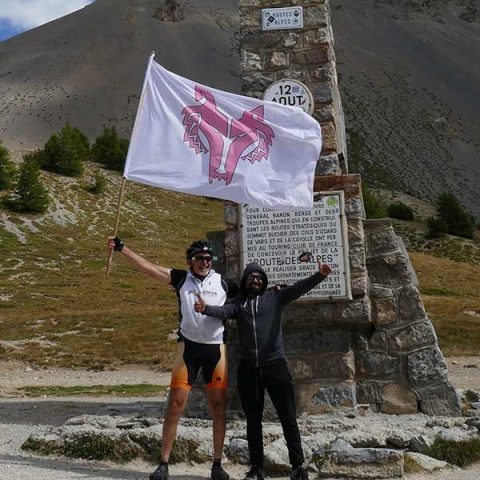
x=252 y=267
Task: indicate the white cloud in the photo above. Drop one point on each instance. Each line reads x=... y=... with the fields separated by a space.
x=27 y=14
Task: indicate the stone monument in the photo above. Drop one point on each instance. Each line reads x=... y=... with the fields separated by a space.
x=364 y=336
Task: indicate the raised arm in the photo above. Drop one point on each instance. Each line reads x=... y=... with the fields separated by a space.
x=161 y=274
x=303 y=286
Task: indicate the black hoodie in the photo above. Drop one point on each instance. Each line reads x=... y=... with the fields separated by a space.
x=259 y=316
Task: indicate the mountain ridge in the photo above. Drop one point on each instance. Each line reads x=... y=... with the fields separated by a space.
x=409 y=79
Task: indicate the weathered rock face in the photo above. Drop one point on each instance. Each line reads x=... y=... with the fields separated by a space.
x=379 y=347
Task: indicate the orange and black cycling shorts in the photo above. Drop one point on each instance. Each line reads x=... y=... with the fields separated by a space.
x=192 y=356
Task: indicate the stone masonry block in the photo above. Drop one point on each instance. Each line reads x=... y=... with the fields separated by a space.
x=383 y=242
x=384 y=312
x=322 y=93
x=318 y=342
x=316 y=16
x=380 y=292
x=250 y=61
x=354 y=208
x=356 y=255
x=324 y=396
x=329 y=138
x=426 y=367
x=356 y=312
x=328 y=165
x=410 y=305
x=359 y=284
x=414 y=336
x=390 y=270
x=308 y=315
x=230 y=214
x=369 y=392
x=356 y=234
x=335 y=365
x=439 y=400
x=278 y=60
x=256 y=82
x=319 y=55
x=377 y=365
x=252 y=40
x=323 y=73
x=317 y=36
x=323 y=114
x=397 y=399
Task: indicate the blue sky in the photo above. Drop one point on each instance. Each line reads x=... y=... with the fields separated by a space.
x=16 y=16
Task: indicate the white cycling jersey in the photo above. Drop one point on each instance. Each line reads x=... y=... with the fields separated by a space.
x=213 y=289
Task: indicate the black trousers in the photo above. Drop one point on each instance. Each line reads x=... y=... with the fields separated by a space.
x=277 y=381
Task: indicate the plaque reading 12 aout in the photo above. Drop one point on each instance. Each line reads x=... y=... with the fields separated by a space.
x=276 y=241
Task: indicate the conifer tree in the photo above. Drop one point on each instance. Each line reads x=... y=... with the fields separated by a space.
x=459 y=222
x=7 y=169
x=30 y=195
x=110 y=150
x=66 y=152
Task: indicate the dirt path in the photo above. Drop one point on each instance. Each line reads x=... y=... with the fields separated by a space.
x=20 y=417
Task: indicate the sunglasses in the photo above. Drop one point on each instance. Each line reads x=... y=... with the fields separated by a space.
x=202 y=258
x=259 y=278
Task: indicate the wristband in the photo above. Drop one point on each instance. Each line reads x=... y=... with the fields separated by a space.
x=118 y=244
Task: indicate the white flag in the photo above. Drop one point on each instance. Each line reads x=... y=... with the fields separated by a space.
x=199 y=140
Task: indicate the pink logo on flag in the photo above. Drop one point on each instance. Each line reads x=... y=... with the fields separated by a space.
x=207 y=130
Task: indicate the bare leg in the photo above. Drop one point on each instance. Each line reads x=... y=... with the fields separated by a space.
x=177 y=400
x=216 y=402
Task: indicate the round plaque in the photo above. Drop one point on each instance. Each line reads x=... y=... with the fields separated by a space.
x=290 y=92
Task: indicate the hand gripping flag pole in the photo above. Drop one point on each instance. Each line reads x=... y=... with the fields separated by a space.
x=124 y=180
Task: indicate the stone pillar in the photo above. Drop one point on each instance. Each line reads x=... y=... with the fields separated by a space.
x=306 y=55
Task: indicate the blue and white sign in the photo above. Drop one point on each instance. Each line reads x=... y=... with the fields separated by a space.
x=282 y=18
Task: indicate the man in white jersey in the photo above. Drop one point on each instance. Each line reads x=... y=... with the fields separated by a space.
x=201 y=344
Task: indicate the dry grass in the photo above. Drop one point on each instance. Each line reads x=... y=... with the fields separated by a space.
x=57 y=306
x=451 y=294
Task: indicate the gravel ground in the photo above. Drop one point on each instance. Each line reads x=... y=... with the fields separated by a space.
x=20 y=417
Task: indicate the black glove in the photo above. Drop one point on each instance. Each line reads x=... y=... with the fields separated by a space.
x=118 y=244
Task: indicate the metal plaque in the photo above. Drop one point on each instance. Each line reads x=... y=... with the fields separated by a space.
x=287 y=245
x=282 y=18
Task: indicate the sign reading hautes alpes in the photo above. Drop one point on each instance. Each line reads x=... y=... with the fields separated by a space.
x=288 y=245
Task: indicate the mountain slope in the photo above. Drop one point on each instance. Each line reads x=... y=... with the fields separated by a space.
x=410 y=84
x=87 y=68
x=409 y=78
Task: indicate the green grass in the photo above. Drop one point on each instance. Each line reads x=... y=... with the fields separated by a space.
x=123 y=390
x=460 y=453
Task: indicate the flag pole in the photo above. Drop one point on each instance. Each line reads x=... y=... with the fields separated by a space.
x=124 y=179
x=117 y=221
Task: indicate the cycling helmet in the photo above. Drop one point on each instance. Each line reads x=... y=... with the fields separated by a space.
x=199 y=246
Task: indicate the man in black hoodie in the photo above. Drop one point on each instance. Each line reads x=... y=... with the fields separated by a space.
x=263 y=364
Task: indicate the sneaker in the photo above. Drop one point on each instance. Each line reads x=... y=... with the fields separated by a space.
x=161 y=473
x=299 y=473
x=218 y=473
x=255 y=473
